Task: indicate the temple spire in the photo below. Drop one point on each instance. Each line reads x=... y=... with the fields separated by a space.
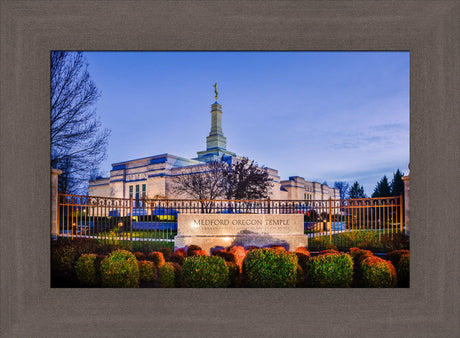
x=216 y=142
x=215 y=90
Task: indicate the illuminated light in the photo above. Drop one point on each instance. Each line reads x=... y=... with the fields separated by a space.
x=195 y=225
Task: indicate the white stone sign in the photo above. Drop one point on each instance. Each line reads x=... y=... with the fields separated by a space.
x=222 y=230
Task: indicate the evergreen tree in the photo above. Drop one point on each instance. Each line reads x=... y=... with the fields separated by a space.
x=397 y=185
x=382 y=189
x=356 y=191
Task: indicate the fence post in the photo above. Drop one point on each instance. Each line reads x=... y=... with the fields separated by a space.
x=406 y=202
x=330 y=220
x=54 y=203
x=131 y=221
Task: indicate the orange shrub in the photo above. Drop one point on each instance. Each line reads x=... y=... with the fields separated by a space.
x=192 y=249
x=157 y=258
x=139 y=255
x=238 y=253
x=378 y=273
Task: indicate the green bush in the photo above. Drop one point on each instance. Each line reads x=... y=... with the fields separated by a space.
x=120 y=270
x=147 y=271
x=205 y=272
x=87 y=269
x=378 y=273
x=268 y=268
x=403 y=271
x=167 y=277
x=330 y=271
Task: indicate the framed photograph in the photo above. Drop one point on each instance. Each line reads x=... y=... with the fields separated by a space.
x=428 y=31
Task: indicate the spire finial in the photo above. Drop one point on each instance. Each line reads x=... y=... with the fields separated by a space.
x=215 y=90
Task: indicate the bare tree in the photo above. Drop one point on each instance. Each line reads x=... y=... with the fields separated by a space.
x=78 y=144
x=343 y=188
x=202 y=182
x=244 y=179
x=240 y=179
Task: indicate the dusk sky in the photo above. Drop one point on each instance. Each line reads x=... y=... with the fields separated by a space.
x=324 y=116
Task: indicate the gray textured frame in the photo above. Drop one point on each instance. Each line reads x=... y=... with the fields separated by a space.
x=428 y=29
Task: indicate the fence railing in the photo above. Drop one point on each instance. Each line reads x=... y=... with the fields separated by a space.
x=155 y=220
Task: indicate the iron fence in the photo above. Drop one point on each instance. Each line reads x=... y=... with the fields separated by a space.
x=145 y=221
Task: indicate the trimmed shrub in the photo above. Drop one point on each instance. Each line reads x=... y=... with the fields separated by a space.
x=395 y=255
x=166 y=252
x=192 y=249
x=167 y=278
x=87 y=269
x=378 y=273
x=359 y=255
x=205 y=272
x=176 y=258
x=330 y=271
x=403 y=271
x=239 y=253
x=329 y=252
x=227 y=256
x=181 y=252
x=303 y=250
x=268 y=268
x=147 y=271
x=120 y=270
x=252 y=247
x=277 y=247
x=157 y=258
x=233 y=274
x=199 y=253
x=140 y=256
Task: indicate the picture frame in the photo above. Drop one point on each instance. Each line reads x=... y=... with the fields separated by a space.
x=31 y=29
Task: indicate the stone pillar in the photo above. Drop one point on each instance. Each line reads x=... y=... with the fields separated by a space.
x=406 y=202
x=54 y=202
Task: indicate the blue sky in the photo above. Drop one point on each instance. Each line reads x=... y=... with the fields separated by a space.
x=325 y=116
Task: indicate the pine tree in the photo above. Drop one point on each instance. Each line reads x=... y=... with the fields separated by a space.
x=397 y=185
x=382 y=189
x=356 y=191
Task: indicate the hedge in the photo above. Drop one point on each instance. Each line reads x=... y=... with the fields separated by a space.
x=120 y=270
x=205 y=272
x=330 y=270
x=270 y=268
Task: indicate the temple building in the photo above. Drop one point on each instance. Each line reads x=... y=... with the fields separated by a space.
x=152 y=177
